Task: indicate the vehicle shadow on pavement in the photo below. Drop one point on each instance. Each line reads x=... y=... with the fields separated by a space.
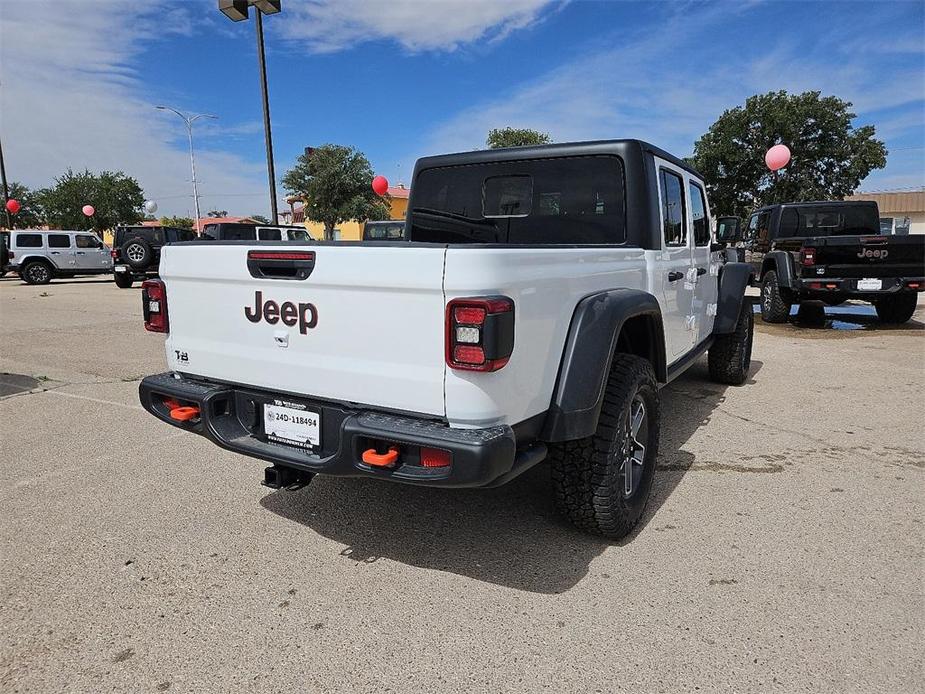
x=850 y=316
x=510 y=536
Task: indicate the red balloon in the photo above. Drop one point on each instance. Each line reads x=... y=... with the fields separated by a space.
x=13 y=206
x=380 y=185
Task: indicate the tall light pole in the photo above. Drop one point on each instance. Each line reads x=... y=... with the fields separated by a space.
x=189 y=120
x=237 y=11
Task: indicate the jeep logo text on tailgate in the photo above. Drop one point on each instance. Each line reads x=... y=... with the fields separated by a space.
x=868 y=253
x=306 y=315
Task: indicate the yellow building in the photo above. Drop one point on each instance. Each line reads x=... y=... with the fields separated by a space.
x=352 y=230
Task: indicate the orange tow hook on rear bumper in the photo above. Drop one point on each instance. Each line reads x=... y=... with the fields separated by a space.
x=184 y=414
x=370 y=457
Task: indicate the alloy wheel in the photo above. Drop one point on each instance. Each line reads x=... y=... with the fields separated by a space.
x=634 y=451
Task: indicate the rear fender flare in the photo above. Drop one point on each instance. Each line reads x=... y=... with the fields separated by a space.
x=592 y=340
x=781 y=263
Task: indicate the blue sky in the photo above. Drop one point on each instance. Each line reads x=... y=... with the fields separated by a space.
x=400 y=79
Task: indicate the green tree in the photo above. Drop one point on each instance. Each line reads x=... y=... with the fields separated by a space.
x=218 y=213
x=178 y=222
x=829 y=156
x=515 y=137
x=335 y=183
x=260 y=219
x=30 y=214
x=117 y=199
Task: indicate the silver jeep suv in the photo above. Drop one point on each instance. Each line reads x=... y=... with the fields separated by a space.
x=40 y=256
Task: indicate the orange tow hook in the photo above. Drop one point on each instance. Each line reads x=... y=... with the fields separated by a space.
x=370 y=457
x=184 y=414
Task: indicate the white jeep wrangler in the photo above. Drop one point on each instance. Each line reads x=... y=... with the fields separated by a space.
x=542 y=297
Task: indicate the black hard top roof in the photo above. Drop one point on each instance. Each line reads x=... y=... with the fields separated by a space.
x=817 y=203
x=561 y=149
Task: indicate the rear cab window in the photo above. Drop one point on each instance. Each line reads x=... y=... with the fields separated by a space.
x=556 y=201
x=820 y=220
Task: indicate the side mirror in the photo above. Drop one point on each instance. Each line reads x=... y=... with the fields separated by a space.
x=728 y=229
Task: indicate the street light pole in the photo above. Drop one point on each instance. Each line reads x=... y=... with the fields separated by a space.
x=238 y=11
x=6 y=190
x=189 y=120
x=271 y=169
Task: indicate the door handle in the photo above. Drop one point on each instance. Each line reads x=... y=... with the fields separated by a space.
x=55 y=253
x=701 y=271
x=675 y=276
x=80 y=253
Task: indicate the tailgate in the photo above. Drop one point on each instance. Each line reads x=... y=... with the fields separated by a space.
x=870 y=256
x=365 y=326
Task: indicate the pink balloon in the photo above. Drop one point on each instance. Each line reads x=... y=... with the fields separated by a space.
x=380 y=185
x=777 y=157
x=13 y=206
x=88 y=210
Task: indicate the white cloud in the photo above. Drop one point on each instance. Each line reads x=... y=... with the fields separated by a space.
x=418 y=25
x=71 y=96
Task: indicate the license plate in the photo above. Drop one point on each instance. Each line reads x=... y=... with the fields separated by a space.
x=867 y=285
x=296 y=426
x=121 y=268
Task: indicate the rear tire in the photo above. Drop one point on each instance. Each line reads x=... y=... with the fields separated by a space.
x=124 y=280
x=774 y=308
x=730 y=357
x=896 y=309
x=36 y=272
x=590 y=475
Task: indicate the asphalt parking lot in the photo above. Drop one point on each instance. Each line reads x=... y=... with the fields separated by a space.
x=782 y=549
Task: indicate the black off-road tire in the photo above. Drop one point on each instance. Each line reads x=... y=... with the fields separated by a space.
x=588 y=474
x=137 y=253
x=36 y=272
x=730 y=356
x=775 y=308
x=896 y=309
x=124 y=280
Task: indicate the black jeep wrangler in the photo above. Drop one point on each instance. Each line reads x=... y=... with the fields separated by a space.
x=136 y=251
x=831 y=252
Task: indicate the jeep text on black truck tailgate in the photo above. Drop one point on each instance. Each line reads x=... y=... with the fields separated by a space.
x=541 y=298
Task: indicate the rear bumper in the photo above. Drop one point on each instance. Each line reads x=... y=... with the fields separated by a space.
x=848 y=286
x=232 y=417
x=123 y=269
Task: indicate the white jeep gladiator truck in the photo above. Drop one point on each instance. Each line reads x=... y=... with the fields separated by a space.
x=542 y=297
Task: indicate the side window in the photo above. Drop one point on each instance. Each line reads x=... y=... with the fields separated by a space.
x=699 y=214
x=752 y=231
x=59 y=241
x=28 y=240
x=674 y=215
x=86 y=241
x=270 y=235
x=764 y=222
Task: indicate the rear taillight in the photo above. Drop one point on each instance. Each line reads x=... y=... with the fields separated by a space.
x=9 y=254
x=479 y=333
x=114 y=254
x=154 y=306
x=808 y=256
